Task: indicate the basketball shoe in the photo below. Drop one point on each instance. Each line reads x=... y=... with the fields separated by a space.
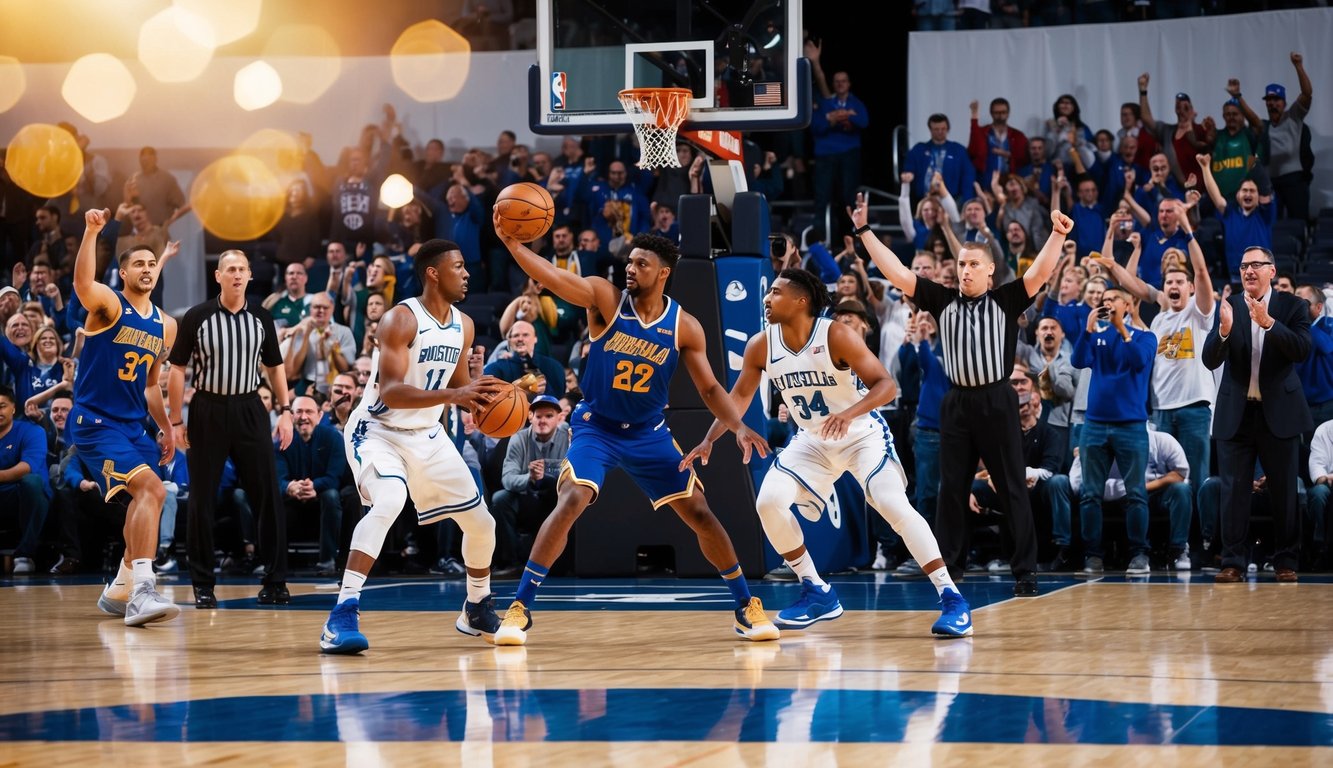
x=341 y=632
x=955 y=615
x=815 y=604
x=146 y=606
x=753 y=624
x=514 y=629
x=479 y=619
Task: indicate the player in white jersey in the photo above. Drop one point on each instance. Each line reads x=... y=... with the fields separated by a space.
x=832 y=385
x=395 y=443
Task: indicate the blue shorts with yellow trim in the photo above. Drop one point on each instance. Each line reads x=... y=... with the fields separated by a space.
x=113 y=450
x=647 y=452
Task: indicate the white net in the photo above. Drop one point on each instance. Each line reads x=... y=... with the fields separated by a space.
x=656 y=114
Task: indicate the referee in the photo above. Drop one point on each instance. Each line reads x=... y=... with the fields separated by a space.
x=226 y=341
x=979 y=415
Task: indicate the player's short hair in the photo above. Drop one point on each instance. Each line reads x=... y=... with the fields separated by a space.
x=812 y=286
x=8 y=394
x=430 y=254
x=662 y=247
x=125 y=254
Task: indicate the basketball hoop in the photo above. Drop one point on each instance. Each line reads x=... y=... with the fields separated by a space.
x=657 y=113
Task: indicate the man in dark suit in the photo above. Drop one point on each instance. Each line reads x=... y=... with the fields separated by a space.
x=1259 y=411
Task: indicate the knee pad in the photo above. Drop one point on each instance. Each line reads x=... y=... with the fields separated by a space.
x=390 y=496
x=478 y=536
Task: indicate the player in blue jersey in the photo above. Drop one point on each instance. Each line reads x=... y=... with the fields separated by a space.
x=127 y=339
x=637 y=337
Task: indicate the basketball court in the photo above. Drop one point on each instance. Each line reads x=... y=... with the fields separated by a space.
x=1165 y=670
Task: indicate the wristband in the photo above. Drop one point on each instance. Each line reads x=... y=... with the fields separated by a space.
x=1189 y=237
x=177 y=423
x=861 y=230
x=1143 y=93
x=285 y=409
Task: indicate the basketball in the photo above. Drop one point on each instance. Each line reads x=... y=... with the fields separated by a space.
x=505 y=414
x=526 y=211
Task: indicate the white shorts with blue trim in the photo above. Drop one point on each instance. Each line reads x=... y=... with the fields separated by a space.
x=816 y=463
x=426 y=460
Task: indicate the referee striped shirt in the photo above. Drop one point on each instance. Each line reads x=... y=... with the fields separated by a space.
x=226 y=349
x=978 y=337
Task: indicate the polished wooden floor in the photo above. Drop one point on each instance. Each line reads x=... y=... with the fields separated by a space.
x=1162 y=672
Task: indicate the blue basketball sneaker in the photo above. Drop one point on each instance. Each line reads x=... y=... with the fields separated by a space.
x=479 y=619
x=816 y=604
x=340 y=631
x=955 y=616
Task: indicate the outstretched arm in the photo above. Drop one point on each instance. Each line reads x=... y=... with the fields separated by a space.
x=747 y=383
x=588 y=292
x=1210 y=184
x=1044 y=265
x=396 y=331
x=97 y=298
x=889 y=265
x=715 y=397
x=847 y=347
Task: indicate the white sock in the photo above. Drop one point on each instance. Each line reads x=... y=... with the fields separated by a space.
x=941 y=579
x=143 y=571
x=478 y=587
x=352 y=583
x=804 y=566
x=119 y=588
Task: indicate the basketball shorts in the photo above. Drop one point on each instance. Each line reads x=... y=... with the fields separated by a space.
x=114 y=451
x=816 y=464
x=425 y=460
x=647 y=452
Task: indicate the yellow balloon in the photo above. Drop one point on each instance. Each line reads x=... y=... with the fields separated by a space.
x=237 y=198
x=44 y=159
x=430 y=61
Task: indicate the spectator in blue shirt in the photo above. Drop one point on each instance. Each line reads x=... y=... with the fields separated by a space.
x=1165 y=235
x=1146 y=200
x=919 y=350
x=1089 y=218
x=947 y=158
x=1247 y=223
x=310 y=472
x=837 y=123
x=1039 y=171
x=1115 y=426
x=24 y=490
x=1316 y=371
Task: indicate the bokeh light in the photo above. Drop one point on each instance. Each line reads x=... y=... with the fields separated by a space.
x=237 y=198
x=175 y=45
x=12 y=82
x=279 y=151
x=430 y=61
x=257 y=85
x=99 y=86
x=231 y=19
x=307 y=58
x=396 y=191
x=44 y=159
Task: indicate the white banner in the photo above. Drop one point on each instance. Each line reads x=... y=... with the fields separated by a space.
x=1100 y=63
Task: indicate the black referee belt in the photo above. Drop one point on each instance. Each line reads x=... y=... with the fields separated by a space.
x=214 y=397
x=983 y=387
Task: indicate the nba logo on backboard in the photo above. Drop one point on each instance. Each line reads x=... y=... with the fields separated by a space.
x=558 y=85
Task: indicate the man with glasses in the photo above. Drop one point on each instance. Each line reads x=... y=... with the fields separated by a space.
x=1261 y=412
x=320 y=348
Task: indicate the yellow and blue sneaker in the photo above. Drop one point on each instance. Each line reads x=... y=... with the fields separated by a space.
x=815 y=604
x=514 y=629
x=752 y=623
x=955 y=616
x=341 y=632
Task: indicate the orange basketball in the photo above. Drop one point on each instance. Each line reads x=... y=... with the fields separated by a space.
x=505 y=414
x=526 y=211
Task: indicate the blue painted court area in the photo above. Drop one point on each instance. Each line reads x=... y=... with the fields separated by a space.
x=696 y=714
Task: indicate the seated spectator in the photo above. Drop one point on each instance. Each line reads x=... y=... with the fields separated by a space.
x=40 y=376
x=54 y=424
x=531 y=470
x=547 y=374
x=291 y=305
x=84 y=521
x=1316 y=371
x=376 y=306
x=1166 y=476
x=320 y=348
x=310 y=472
x=342 y=399
x=1316 y=500
x=24 y=490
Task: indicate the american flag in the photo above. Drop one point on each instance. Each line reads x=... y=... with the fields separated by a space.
x=768 y=94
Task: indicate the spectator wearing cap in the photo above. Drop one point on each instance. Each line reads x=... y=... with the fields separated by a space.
x=1234 y=156
x=1182 y=140
x=532 y=467
x=1289 y=156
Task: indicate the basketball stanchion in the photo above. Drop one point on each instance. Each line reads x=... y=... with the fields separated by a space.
x=656 y=113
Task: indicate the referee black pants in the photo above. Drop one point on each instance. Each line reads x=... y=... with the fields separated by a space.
x=982 y=423
x=235 y=427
